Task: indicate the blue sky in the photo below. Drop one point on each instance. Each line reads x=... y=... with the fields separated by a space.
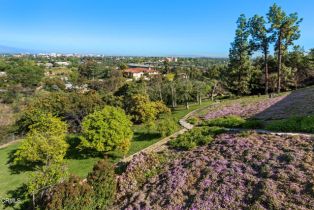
x=136 y=27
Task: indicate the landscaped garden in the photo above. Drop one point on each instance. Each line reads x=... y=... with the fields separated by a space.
x=235 y=171
x=10 y=179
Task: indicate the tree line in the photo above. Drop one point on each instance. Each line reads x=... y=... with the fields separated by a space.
x=258 y=34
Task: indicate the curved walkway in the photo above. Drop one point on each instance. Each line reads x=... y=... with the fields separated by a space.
x=161 y=145
x=262 y=131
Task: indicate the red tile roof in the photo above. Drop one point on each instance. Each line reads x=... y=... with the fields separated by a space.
x=138 y=70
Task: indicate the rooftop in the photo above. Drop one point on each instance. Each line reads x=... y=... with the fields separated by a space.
x=138 y=70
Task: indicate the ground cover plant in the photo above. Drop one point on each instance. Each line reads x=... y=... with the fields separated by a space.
x=198 y=136
x=233 y=172
x=233 y=121
x=293 y=124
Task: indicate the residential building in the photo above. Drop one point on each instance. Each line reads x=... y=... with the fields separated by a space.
x=137 y=73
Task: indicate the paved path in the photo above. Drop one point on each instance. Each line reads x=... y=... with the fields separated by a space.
x=162 y=144
x=261 y=131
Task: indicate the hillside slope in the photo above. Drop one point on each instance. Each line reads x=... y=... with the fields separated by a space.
x=234 y=172
x=295 y=103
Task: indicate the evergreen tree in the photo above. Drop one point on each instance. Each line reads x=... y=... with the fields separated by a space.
x=286 y=30
x=261 y=41
x=239 y=56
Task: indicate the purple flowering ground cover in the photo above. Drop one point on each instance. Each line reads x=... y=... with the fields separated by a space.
x=244 y=109
x=236 y=171
x=296 y=103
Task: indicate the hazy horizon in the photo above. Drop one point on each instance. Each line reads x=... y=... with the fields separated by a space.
x=135 y=28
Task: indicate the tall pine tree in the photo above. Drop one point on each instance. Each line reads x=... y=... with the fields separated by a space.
x=239 y=59
x=260 y=41
x=286 y=30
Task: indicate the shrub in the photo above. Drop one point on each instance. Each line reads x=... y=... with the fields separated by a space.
x=228 y=121
x=167 y=126
x=252 y=124
x=215 y=130
x=233 y=121
x=46 y=177
x=193 y=120
x=97 y=192
x=293 y=124
x=191 y=139
x=103 y=181
x=70 y=195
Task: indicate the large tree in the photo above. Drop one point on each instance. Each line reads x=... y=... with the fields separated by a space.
x=107 y=130
x=184 y=89
x=45 y=142
x=239 y=56
x=286 y=30
x=261 y=41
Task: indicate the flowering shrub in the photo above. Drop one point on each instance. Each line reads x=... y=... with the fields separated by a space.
x=233 y=172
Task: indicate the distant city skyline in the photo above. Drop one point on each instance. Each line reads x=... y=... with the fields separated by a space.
x=135 y=28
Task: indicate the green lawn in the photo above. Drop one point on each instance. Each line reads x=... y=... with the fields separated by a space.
x=81 y=167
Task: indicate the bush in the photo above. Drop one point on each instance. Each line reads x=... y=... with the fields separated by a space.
x=193 y=120
x=293 y=124
x=103 y=181
x=70 y=195
x=252 y=124
x=98 y=192
x=191 y=139
x=227 y=121
x=167 y=126
x=234 y=122
x=46 y=177
x=215 y=130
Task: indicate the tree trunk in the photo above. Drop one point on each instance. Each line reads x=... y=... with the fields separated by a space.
x=187 y=105
x=279 y=63
x=266 y=71
x=198 y=96
x=213 y=91
x=33 y=198
x=173 y=97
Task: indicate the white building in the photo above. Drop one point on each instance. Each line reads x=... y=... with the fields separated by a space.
x=62 y=63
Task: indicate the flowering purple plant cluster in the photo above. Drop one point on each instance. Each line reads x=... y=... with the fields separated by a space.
x=233 y=172
x=243 y=109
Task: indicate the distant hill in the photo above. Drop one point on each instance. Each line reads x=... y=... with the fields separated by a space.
x=13 y=50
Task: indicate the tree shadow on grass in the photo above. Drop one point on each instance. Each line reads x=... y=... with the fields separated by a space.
x=73 y=152
x=140 y=136
x=17 y=168
x=17 y=198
